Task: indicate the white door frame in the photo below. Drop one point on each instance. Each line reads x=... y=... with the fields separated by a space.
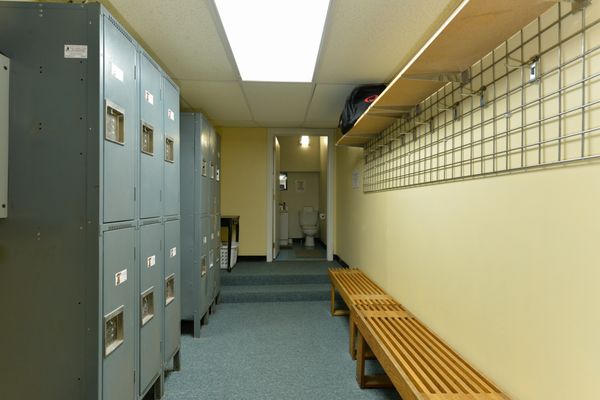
x=272 y=133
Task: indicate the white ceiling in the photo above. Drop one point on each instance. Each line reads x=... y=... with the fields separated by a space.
x=365 y=41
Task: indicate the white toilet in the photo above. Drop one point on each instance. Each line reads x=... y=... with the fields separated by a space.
x=308 y=218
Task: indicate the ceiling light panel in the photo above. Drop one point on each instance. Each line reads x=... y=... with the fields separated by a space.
x=274 y=40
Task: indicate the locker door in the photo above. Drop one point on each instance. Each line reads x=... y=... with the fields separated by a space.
x=120 y=125
x=152 y=146
x=118 y=314
x=172 y=290
x=150 y=303
x=205 y=268
x=171 y=164
x=204 y=150
x=213 y=171
x=211 y=260
x=218 y=245
x=218 y=175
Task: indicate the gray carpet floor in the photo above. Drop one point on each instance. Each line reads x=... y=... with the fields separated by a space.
x=277 y=350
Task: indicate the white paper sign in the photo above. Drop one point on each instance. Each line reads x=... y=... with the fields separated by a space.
x=149 y=97
x=76 y=51
x=355 y=180
x=120 y=277
x=150 y=261
x=204 y=239
x=173 y=252
x=171 y=114
x=116 y=72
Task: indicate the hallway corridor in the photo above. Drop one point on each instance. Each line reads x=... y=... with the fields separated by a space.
x=275 y=350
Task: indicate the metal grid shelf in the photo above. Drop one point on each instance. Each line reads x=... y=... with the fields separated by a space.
x=511 y=116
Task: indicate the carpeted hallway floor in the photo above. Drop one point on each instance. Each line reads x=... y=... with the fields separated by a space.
x=274 y=350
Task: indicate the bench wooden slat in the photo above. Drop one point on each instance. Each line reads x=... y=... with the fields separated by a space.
x=419 y=364
x=448 y=374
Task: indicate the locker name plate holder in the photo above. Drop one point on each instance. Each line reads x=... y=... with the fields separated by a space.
x=120 y=277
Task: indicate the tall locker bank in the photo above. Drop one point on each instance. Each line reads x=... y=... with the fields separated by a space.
x=172 y=225
x=83 y=220
x=199 y=268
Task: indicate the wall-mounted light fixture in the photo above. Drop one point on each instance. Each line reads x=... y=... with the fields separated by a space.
x=304 y=141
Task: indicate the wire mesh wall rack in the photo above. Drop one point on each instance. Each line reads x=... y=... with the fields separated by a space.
x=532 y=102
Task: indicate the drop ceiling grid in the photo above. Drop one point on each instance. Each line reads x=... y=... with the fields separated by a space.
x=363 y=42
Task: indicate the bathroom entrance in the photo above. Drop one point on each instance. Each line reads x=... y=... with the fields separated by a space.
x=300 y=183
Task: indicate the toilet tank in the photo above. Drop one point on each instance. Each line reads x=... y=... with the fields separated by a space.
x=308 y=216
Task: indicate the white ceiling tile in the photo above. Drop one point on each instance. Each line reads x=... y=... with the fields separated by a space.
x=221 y=101
x=366 y=41
x=328 y=102
x=235 y=124
x=278 y=102
x=320 y=124
x=280 y=124
x=183 y=35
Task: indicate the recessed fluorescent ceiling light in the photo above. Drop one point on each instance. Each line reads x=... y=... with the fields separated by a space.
x=274 y=40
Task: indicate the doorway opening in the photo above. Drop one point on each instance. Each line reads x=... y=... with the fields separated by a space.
x=300 y=195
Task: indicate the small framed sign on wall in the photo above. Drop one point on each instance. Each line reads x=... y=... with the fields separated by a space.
x=300 y=185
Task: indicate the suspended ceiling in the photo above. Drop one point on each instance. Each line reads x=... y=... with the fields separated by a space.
x=364 y=42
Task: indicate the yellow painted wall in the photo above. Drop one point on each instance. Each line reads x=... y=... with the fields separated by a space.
x=323 y=148
x=506 y=269
x=296 y=158
x=243 y=184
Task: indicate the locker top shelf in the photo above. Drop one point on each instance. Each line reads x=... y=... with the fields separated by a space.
x=474 y=29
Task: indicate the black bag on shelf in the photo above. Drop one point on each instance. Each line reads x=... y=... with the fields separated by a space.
x=357 y=103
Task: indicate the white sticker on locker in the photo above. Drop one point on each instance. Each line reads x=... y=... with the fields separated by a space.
x=173 y=252
x=171 y=114
x=212 y=236
x=149 y=97
x=150 y=261
x=76 y=51
x=116 y=72
x=120 y=277
x=204 y=239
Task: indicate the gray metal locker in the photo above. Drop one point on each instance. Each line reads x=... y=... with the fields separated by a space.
x=204 y=178
x=152 y=146
x=172 y=296
x=120 y=119
x=73 y=176
x=197 y=243
x=218 y=244
x=118 y=312
x=209 y=289
x=218 y=174
x=172 y=169
x=151 y=293
x=189 y=234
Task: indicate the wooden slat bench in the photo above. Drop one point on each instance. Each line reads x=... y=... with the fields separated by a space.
x=350 y=282
x=357 y=289
x=417 y=363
